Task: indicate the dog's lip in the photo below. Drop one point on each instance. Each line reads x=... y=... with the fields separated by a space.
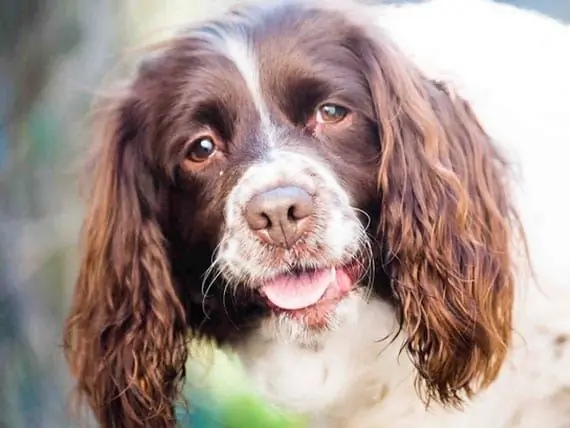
x=310 y=291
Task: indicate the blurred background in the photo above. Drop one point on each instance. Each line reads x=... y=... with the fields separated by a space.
x=54 y=55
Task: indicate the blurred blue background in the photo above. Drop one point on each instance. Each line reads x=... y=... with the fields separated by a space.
x=53 y=56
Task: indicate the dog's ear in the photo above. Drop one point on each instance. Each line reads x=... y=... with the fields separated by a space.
x=447 y=224
x=125 y=338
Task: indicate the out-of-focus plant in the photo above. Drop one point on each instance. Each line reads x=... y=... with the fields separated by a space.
x=52 y=56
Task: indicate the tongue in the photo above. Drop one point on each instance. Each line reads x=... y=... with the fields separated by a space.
x=292 y=292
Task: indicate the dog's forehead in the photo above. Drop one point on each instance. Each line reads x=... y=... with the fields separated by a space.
x=269 y=49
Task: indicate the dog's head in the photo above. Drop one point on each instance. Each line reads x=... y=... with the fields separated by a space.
x=264 y=169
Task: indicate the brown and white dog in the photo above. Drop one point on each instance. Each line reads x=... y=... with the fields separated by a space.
x=335 y=200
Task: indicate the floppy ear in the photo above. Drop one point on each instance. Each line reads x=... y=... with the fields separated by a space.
x=446 y=227
x=125 y=336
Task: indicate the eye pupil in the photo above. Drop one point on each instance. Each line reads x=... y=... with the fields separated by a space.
x=201 y=149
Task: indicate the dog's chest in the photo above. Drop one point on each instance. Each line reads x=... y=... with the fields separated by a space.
x=351 y=371
x=357 y=379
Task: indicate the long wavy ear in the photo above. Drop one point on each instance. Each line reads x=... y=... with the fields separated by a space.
x=447 y=224
x=125 y=336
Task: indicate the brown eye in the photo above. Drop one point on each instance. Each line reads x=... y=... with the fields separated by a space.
x=201 y=149
x=331 y=113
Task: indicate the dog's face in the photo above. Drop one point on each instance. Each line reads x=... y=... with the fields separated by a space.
x=278 y=154
x=259 y=174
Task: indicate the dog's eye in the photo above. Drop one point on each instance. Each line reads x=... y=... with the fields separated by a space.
x=201 y=149
x=331 y=113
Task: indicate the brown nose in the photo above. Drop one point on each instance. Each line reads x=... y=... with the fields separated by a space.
x=280 y=215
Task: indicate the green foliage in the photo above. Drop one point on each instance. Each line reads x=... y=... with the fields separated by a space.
x=220 y=395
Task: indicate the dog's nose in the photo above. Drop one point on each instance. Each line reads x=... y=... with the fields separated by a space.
x=280 y=215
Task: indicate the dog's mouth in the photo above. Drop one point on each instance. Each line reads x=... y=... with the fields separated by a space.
x=310 y=295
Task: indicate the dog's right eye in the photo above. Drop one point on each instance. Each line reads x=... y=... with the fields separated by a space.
x=201 y=149
x=331 y=114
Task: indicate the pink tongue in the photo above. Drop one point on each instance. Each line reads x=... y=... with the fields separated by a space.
x=297 y=292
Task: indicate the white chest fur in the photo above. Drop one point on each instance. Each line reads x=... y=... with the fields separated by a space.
x=356 y=379
x=313 y=378
x=353 y=367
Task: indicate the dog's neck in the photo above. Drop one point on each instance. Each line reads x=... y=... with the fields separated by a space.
x=350 y=368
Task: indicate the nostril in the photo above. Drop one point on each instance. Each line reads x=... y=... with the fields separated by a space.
x=266 y=221
x=302 y=208
x=291 y=213
x=257 y=219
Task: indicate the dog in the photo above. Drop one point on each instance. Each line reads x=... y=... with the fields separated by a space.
x=365 y=204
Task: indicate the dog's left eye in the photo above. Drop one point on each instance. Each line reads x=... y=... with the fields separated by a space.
x=201 y=149
x=331 y=113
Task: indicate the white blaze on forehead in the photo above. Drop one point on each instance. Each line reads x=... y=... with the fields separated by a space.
x=238 y=48
x=240 y=52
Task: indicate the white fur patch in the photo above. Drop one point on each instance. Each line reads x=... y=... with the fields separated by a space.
x=311 y=380
x=240 y=51
x=337 y=228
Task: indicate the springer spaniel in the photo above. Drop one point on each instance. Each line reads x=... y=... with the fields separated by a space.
x=349 y=206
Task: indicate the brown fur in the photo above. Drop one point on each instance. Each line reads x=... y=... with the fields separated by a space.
x=125 y=336
x=444 y=224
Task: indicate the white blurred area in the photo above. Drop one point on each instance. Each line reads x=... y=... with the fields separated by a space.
x=54 y=56
x=145 y=17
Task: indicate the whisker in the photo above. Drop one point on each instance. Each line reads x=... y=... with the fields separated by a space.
x=205 y=294
x=365 y=245
x=214 y=267
x=366 y=215
x=214 y=262
x=226 y=286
